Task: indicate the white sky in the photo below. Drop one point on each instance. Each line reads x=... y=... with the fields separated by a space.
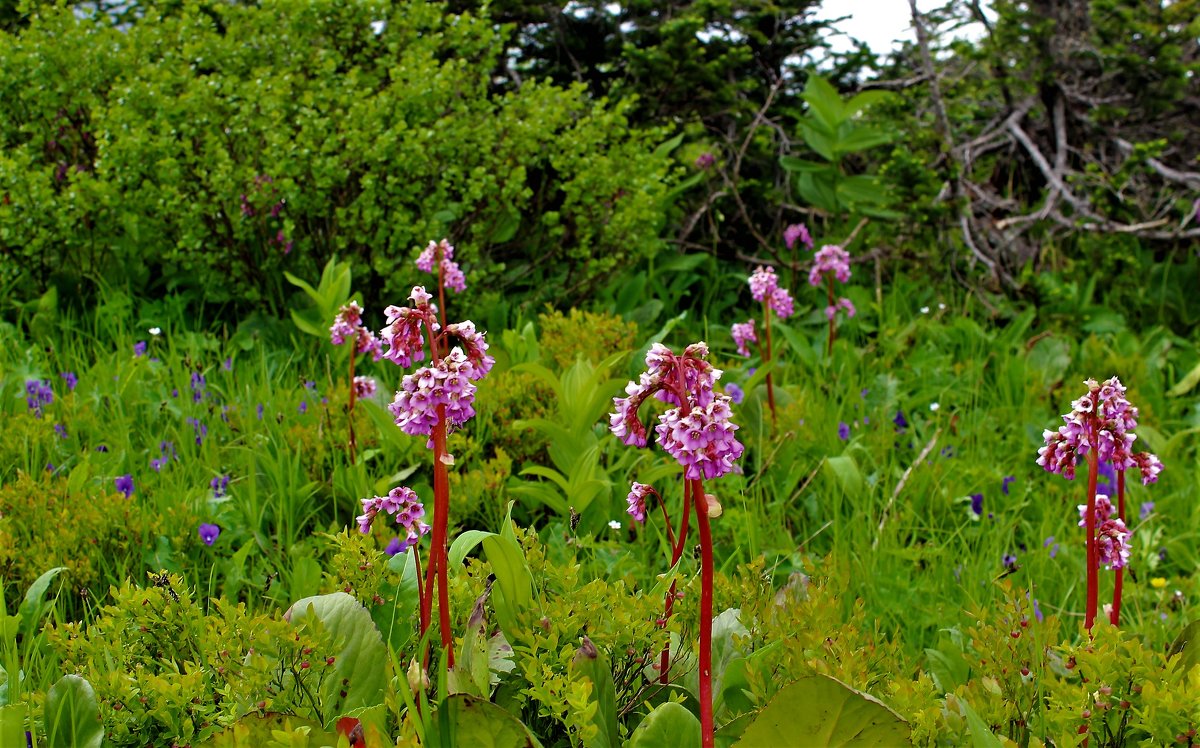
x=877 y=22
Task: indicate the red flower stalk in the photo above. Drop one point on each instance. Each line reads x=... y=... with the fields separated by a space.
x=698 y=432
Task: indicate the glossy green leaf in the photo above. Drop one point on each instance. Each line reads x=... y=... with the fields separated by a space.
x=669 y=725
x=823 y=711
x=463 y=720
x=361 y=656
x=1187 y=646
x=30 y=610
x=72 y=716
x=12 y=725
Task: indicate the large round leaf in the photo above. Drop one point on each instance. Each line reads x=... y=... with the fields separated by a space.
x=823 y=711
x=670 y=725
x=472 y=721
x=72 y=716
x=361 y=658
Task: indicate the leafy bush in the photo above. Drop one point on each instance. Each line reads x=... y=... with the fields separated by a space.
x=209 y=148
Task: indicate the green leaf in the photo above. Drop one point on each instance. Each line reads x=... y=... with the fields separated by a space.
x=464 y=544
x=981 y=736
x=12 y=725
x=860 y=189
x=947 y=670
x=665 y=148
x=799 y=165
x=824 y=102
x=361 y=656
x=467 y=720
x=861 y=138
x=30 y=611
x=72 y=716
x=394 y=617
x=1187 y=384
x=826 y=712
x=1187 y=646
x=514 y=582
x=592 y=663
x=845 y=471
x=670 y=725
x=818 y=190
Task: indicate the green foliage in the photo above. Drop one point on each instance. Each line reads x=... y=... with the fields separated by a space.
x=72 y=716
x=827 y=712
x=209 y=149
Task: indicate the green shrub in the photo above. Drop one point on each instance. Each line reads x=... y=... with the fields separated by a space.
x=214 y=147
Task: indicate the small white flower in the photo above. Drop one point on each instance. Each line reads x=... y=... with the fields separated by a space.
x=614 y=524
x=942 y=307
x=934 y=407
x=924 y=310
x=155 y=331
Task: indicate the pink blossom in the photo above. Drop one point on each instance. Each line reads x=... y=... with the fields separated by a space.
x=797 y=231
x=763 y=282
x=1112 y=544
x=743 y=333
x=404 y=504
x=447 y=384
x=637 y=501
x=364 y=387
x=346 y=323
x=703 y=441
x=830 y=259
x=1104 y=510
x=781 y=303
x=842 y=303
x=475 y=348
x=442 y=253
x=403 y=332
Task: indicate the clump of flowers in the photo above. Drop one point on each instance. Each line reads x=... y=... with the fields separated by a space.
x=797 y=232
x=765 y=288
x=450 y=275
x=1099 y=429
x=347 y=327
x=401 y=502
x=832 y=262
x=699 y=433
x=431 y=400
x=38 y=394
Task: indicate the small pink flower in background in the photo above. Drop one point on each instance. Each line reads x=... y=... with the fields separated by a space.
x=781 y=303
x=364 y=387
x=452 y=276
x=743 y=333
x=797 y=232
x=842 y=303
x=763 y=282
x=346 y=324
x=637 y=501
x=830 y=259
x=705 y=160
x=1112 y=544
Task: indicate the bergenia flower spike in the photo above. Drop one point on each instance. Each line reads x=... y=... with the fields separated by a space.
x=1099 y=428
x=348 y=328
x=699 y=433
x=832 y=262
x=764 y=287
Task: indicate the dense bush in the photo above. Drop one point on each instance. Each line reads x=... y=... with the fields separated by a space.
x=209 y=148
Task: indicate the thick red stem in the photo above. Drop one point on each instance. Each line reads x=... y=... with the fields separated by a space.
x=664 y=659
x=441 y=519
x=706 y=605
x=1093 y=573
x=1115 y=616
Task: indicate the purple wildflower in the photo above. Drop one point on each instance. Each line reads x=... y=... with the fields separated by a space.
x=843 y=430
x=1146 y=510
x=218 y=484
x=394 y=546
x=259 y=409
x=900 y=421
x=139 y=348
x=736 y=394
x=227 y=364
x=158 y=463
x=1037 y=611
x=38 y=394
x=404 y=504
x=124 y=485
x=198 y=385
x=102 y=448
x=797 y=232
x=1010 y=561
x=1004 y=483
x=209 y=533
x=71 y=380
x=61 y=430
x=199 y=429
x=977 y=504
x=303 y=407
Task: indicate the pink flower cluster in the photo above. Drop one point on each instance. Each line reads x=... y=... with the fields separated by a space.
x=402 y=502
x=830 y=259
x=743 y=333
x=1112 y=537
x=403 y=332
x=364 y=387
x=474 y=346
x=637 y=500
x=697 y=432
x=764 y=286
x=1104 y=419
x=347 y=325
x=797 y=232
x=449 y=383
x=842 y=303
x=442 y=253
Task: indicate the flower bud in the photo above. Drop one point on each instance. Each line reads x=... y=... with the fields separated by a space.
x=417 y=679
x=714 y=506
